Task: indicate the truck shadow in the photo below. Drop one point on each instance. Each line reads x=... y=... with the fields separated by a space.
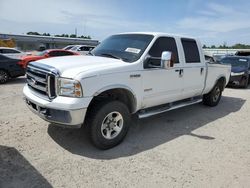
x=149 y=133
x=16 y=171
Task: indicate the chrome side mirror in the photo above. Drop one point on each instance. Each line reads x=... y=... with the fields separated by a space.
x=166 y=59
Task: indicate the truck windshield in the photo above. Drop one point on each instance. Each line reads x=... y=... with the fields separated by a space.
x=127 y=47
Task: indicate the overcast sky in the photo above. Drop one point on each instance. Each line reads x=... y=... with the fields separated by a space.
x=214 y=22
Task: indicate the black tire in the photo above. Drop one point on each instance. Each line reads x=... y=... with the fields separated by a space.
x=245 y=82
x=4 y=76
x=101 y=115
x=214 y=96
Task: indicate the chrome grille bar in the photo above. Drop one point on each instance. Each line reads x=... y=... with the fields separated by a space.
x=41 y=80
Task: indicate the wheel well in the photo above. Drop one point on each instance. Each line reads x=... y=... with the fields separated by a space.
x=222 y=81
x=122 y=95
x=5 y=71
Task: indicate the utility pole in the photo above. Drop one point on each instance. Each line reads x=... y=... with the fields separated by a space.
x=84 y=27
x=76 y=32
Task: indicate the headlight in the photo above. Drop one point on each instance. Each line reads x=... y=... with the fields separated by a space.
x=69 y=88
x=237 y=74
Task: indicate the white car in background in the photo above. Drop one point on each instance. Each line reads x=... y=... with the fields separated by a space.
x=82 y=49
x=12 y=52
x=68 y=47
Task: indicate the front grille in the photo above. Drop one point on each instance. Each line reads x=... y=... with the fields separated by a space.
x=41 y=80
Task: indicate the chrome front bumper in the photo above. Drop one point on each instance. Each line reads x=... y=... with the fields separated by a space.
x=67 y=118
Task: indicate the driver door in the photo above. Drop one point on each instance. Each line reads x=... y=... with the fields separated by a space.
x=160 y=85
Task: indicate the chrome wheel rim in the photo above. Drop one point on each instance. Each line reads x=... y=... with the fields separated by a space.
x=112 y=125
x=217 y=94
x=3 y=77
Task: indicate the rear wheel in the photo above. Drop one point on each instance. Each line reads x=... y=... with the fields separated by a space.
x=3 y=76
x=108 y=123
x=214 y=96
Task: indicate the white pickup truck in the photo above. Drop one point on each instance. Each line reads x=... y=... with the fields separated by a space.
x=129 y=73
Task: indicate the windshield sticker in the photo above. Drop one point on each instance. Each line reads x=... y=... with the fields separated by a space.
x=133 y=50
x=243 y=60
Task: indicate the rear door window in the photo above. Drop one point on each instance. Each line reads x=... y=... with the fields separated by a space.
x=191 y=50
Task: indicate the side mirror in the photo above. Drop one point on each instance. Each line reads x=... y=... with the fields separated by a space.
x=166 y=60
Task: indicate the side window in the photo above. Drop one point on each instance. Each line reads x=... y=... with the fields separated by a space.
x=86 y=48
x=59 y=53
x=81 y=48
x=164 y=44
x=190 y=50
x=53 y=54
x=10 y=51
x=65 y=53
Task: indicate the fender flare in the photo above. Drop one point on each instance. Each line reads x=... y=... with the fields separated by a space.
x=118 y=86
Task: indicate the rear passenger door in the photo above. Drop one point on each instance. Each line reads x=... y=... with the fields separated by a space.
x=194 y=70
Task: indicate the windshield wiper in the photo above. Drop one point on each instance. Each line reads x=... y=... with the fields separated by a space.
x=111 y=55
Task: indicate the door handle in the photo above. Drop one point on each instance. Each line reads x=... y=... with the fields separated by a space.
x=202 y=69
x=180 y=71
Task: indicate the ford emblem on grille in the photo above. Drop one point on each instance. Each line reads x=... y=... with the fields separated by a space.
x=33 y=81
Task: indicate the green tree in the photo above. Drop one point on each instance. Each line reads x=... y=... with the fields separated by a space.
x=46 y=34
x=72 y=36
x=33 y=33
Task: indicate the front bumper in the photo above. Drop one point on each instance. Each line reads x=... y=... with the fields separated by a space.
x=17 y=72
x=236 y=80
x=60 y=111
x=69 y=118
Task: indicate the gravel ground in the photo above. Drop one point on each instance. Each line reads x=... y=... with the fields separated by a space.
x=196 y=146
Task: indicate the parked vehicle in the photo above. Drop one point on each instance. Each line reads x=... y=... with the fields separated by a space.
x=12 y=52
x=243 y=53
x=218 y=57
x=82 y=49
x=240 y=70
x=9 y=68
x=45 y=54
x=131 y=73
x=209 y=59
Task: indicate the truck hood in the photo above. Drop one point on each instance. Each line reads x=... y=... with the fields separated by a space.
x=71 y=66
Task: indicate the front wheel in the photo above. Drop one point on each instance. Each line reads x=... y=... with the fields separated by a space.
x=3 y=76
x=108 y=123
x=245 y=82
x=214 y=96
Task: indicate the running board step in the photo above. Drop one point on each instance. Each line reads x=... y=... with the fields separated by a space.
x=171 y=106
